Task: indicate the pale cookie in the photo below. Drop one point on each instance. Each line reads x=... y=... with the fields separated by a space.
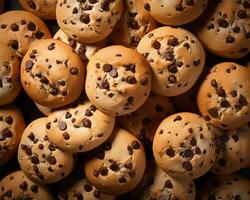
x=17 y=186
x=176 y=58
x=118 y=80
x=224 y=28
x=234 y=151
x=225 y=187
x=45 y=9
x=175 y=12
x=20 y=29
x=163 y=186
x=88 y=21
x=80 y=128
x=40 y=159
x=135 y=22
x=223 y=98
x=184 y=146
x=81 y=189
x=52 y=74
x=143 y=122
x=10 y=84
x=85 y=51
x=119 y=165
x=11 y=129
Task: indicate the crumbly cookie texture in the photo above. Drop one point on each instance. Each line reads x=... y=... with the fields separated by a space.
x=230 y=186
x=52 y=74
x=85 y=51
x=10 y=84
x=176 y=58
x=135 y=22
x=12 y=125
x=118 y=80
x=88 y=21
x=20 y=29
x=39 y=159
x=144 y=121
x=223 y=98
x=224 y=28
x=45 y=9
x=118 y=166
x=184 y=146
x=175 y=12
x=17 y=186
x=80 y=128
x=233 y=152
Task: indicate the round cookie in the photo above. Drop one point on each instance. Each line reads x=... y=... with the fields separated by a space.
x=118 y=80
x=20 y=29
x=176 y=58
x=184 y=146
x=223 y=98
x=85 y=51
x=175 y=12
x=88 y=21
x=80 y=128
x=43 y=109
x=40 y=159
x=225 y=187
x=52 y=74
x=144 y=121
x=135 y=22
x=17 y=186
x=11 y=129
x=45 y=9
x=234 y=151
x=81 y=189
x=224 y=28
x=119 y=164
x=163 y=186
x=10 y=84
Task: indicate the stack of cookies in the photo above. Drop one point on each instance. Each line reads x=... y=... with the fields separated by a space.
x=125 y=99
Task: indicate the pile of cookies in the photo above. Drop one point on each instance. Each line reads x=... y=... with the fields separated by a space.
x=138 y=99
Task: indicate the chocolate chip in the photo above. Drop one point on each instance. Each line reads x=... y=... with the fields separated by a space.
x=220 y=92
x=107 y=67
x=100 y=155
x=196 y=62
x=190 y=2
x=170 y=152
x=213 y=112
x=31 y=26
x=135 y=145
x=130 y=150
x=242 y=14
x=134 y=24
x=14 y=27
x=113 y=73
x=114 y=166
x=6 y=132
x=230 y=39
x=172 y=69
x=224 y=104
x=214 y=83
x=78 y=196
x=85 y=18
x=246 y=4
x=222 y=22
x=23 y=186
x=73 y=71
x=105 y=5
x=31 y=136
x=169 y=55
x=168 y=184
x=144 y=81
x=177 y=118
x=198 y=150
x=51 y=160
x=193 y=142
x=210 y=26
x=187 y=166
x=51 y=46
x=31 y=4
x=52 y=147
x=40 y=146
x=97 y=194
x=35 y=160
x=62 y=126
x=103 y=171
x=88 y=188
x=39 y=34
x=173 y=42
x=131 y=80
x=105 y=84
x=86 y=123
x=34 y=188
x=44 y=80
x=8 y=120
x=28 y=65
x=147 y=7
x=156 y=45
x=75 y=10
x=131 y=173
x=122 y=179
x=66 y=136
x=14 y=44
x=179 y=7
x=188 y=153
x=172 y=79
x=48 y=125
x=243 y=101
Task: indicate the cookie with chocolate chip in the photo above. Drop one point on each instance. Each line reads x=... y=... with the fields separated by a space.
x=160 y=185
x=224 y=96
x=11 y=129
x=81 y=189
x=118 y=166
x=144 y=121
x=118 y=80
x=224 y=187
x=52 y=74
x=40 y=159
x=224 y=28
x=80 y=128
x=10 y=84
x=184 y=146
x=134 y=23
x=233 y=151
x=176 y=58
x=88 y=21
x=175 y=12
x=20 y=29
x=85 y=51
x=17 y=186
x=45 y=9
